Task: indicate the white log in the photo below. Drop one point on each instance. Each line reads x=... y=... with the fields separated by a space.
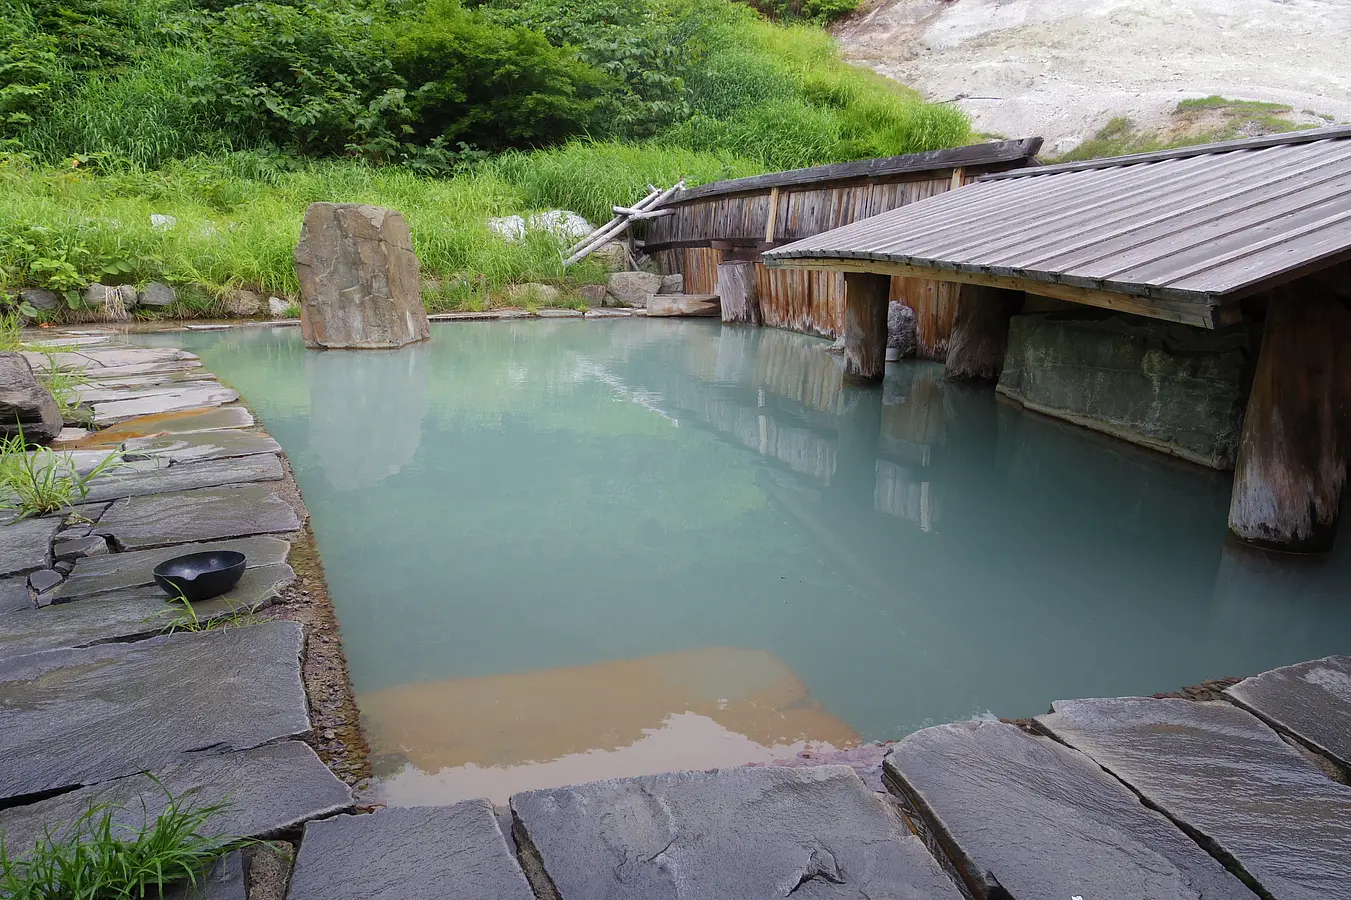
x=613 y=222
x=622 y=224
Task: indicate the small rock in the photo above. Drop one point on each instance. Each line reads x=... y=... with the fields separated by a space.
x=608 y=313
x=158 y=294
x=901 y=333
x=110 y=303
x=539 y=294
x=561 y=223
x=161 y=222
x=633 y=288
x=559 y=313
x=80 y=547
x=25 y=403
x=277 y=307
x=243 y=303
x=613 y=255
x=44 y=580
x=672 y=284
x=592 y=294
x=837 y=347
x=40 y=299
x=64 y=566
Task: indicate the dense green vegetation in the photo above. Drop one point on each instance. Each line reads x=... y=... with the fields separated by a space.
x=230 y=118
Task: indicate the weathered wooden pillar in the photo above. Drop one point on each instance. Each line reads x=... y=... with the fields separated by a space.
x=980 y=332
x=1292 y=457
x=740 y=293
x=865 y=325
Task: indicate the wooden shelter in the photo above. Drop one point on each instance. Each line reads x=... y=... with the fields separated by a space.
x=1206 y=236
x=740 y=219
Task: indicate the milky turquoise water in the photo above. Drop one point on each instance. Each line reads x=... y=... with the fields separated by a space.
x=528 y=497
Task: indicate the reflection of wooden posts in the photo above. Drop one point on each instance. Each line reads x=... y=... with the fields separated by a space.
x=865 y=325
x=859 y=419
x=739 y=292
x=980 y=332
x=1292 y=459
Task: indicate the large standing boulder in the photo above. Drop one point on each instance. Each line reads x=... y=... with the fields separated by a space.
x=25 y=403
x=360 y=284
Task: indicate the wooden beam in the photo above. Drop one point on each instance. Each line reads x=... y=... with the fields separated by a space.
x=739 y=292
x=958 y=178
x=1198 y=314
x=865 y=325
x=1292 y=457
x=980 y=332
x=773 y=217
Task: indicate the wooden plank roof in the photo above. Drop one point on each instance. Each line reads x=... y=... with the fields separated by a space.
x=1206 y=224
x=1022 y=151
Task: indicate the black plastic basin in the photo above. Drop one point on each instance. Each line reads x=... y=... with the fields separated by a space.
x=200 y=576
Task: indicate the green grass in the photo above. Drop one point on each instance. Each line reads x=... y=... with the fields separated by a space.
x=95 y=858
x=42 y=481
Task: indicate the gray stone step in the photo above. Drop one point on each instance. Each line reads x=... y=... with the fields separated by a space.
x=14 y=594
x=1311 y=700
x=190 y=395
x=740 y=834
x=207 y=514
x=1045 y=821
x=129 y=613
x=225 y=881
x=202 y=445
x=209 y=473
x=267 y=790
x=94 y=359
x=81 y=717
x=1227 y=777
x=24 y=544
x=419 y=853
x=191 y=421
x=115 y=571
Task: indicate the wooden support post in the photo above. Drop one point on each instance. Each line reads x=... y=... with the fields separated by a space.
x=980 y=332
x=1292 y=458
x=739 y=292
x=865 y=325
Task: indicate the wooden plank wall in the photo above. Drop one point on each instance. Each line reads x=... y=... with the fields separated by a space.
x=796 y=299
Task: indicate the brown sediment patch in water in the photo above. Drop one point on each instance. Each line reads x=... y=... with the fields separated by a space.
x=497 y=735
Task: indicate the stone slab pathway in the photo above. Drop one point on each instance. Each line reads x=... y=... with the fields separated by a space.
x=96 y=574
x=746 y=834
x=1223 y=774
x=1041 y=820
x=201 y=445
x=191 y=395
x=84 y=717
x=25 y=545
x=140 y=523
x=131 y=613
x=266 y=791
x=14 y=594
x=419 y=853
x=202 y=474
x=1311 y=701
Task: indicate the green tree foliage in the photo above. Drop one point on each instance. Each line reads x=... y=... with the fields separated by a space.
x=476 y=81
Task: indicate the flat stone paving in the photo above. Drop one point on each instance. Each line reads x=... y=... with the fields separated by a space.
x=207 y=514
x=207 y=473
x=266 y=791
x=84 y=717
x=24 y=544
x=1223 y=774
x=201 y=445
x=1311 y=701
x=1043 y=821
x=130 y=613
x=111 y=572
x=418 y=853
x=747 y=834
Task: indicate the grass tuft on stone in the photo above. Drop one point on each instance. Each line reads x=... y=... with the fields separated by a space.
x=96 y=858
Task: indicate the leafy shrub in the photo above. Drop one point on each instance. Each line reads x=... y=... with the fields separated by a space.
x=475 y=81
x=312 y=77
x=28 y=69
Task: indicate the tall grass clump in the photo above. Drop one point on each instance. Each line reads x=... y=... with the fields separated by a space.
x=96 y=858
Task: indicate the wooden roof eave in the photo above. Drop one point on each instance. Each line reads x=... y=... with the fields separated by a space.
x=1202 y=311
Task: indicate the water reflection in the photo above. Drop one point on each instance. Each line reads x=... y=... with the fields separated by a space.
x=366 y=410
x=528 y=526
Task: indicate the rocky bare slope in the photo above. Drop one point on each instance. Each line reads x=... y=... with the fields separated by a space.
x=1065 y=68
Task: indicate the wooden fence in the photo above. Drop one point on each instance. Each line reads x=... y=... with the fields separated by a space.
x=740 y=219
